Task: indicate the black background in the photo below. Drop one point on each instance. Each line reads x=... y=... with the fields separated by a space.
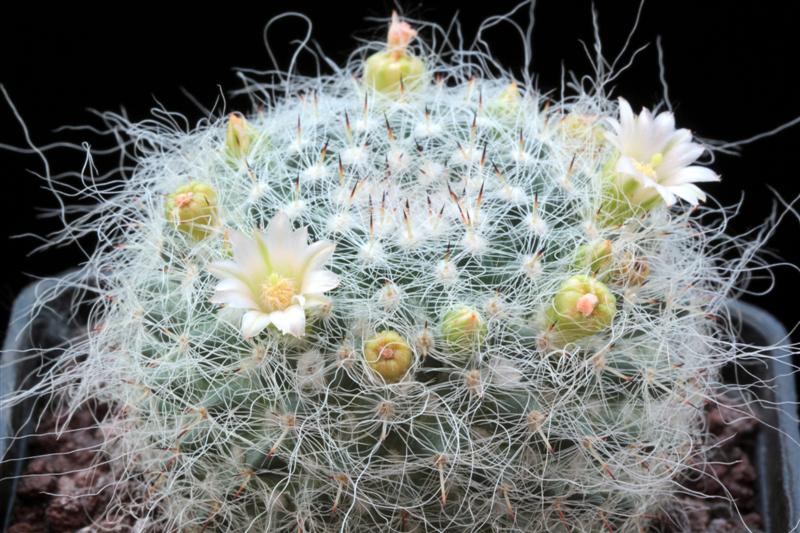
x=730 y=68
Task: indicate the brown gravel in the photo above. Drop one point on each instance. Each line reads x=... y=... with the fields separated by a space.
x=731 y=464
x=64 y=491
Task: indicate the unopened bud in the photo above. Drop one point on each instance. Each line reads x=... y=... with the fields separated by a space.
x=389 y=355
x=192 y=209
x=595 y=256
x=583 y=130
x=507 y=102
x=424 y=342
x=239 y=137
x=394 y=68
x=582 y=306
x=463 y=328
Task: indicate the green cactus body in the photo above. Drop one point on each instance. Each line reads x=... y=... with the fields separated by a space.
x=409 y=320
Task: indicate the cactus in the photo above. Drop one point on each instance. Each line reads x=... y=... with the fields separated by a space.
x=470 y=310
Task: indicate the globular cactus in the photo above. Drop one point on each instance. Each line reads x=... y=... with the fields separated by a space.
x=411 y=296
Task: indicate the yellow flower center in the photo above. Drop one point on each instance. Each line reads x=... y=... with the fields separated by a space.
x=649 y=169
x=277 y=293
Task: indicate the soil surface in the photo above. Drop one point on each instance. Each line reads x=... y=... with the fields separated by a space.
x=63 y=490
x=67 y=492
x=729 y=474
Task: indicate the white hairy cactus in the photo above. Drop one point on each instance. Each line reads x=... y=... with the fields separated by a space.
x=491 y=322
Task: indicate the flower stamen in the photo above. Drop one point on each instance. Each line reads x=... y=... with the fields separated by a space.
x=277 y=293
x=649 y=169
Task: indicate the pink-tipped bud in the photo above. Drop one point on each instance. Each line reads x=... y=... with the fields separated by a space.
x=394 y=70
x=586 y=304
x=400 y=35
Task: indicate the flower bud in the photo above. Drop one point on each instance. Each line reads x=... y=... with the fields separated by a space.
x=239 y=137
x=507 y=102
x=582 y=306
x=582 y=130
x=463 y=328
x=384 y=71
x=192 y=209
x=388 y=354
x=595 y=256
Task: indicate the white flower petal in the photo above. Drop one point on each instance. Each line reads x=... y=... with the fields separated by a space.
x=254 y=322
x=681 y=155
x=690 y=193
x=286 y=247
x=232 y=284
x=693 y=174
x=665 y=122
x=291 y=320
x=235 y=293
x=237 y=300
x=667 y=194
x=317 y=255
x=226 y=269
x=246 y=255
x=657 y=135
x=625 y=113
x=319 y=281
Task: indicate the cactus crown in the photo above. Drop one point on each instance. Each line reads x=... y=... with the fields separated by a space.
x=439 y=305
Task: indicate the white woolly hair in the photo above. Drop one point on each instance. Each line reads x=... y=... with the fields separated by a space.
x=435 y=199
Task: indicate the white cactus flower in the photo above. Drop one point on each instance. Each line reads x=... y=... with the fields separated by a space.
x=274 y=276
x=658 y=156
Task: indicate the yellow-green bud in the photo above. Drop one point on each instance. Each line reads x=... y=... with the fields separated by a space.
x=239 y=137
x=192 y=209
x=507 y=103
x=582 y=129
x=463 y=328
x=582 y=306
x=595 y=256
x=389 y=355
x=384 y=71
